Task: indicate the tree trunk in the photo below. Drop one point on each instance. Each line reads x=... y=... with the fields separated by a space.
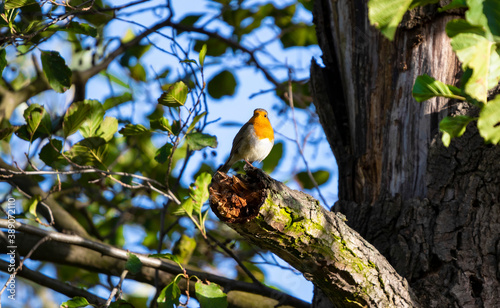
x=433 y=212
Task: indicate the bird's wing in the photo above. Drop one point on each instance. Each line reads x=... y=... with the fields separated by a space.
x=239 y=137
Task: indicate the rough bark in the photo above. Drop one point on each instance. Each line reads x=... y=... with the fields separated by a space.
x=432 y=211
x=294 y=226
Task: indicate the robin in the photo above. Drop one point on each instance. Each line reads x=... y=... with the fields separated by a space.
x=253 y=142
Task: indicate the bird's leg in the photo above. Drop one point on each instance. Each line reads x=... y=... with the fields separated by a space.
x=249 y=164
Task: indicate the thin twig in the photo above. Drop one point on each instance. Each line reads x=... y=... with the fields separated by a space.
x=116 y=289
x=290 y=100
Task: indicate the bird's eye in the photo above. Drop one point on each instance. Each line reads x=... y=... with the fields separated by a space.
x=265 y=116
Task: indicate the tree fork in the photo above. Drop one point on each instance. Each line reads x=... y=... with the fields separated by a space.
x=318 y=243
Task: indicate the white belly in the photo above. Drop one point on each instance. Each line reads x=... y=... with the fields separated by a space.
x=257 y=149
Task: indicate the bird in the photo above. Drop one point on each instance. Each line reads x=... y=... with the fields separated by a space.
x=253 y=142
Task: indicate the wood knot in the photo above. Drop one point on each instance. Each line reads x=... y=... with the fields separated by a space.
x=237 y=199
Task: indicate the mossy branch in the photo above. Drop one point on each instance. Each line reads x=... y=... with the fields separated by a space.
x=294 y=226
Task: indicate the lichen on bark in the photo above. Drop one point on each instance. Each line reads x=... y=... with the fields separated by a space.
x=294 y=226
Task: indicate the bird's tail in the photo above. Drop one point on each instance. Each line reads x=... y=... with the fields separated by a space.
x=224 y=168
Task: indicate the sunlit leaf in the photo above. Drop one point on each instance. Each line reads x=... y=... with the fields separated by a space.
x=93 y=120
x=56 y=71
x=427 y=87
x=196 y=119
x=386 y=15
x=199 y=192
x=175 y=96
x=14 y=4
x=161 y=124
x=210 y=295
x=37 y=120
x=475 y=52
x=489 y=121
x=117 y=100
x=76 y=302
x=203 y=53
x=169 y=296
x=198 y=141
x=453 y=127
x=133 y=130
x=107 y=128
x=74 y=117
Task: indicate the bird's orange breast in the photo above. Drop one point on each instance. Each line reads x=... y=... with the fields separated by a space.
x=262 y=127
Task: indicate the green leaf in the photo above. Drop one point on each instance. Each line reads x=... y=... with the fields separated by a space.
x=169 y=296
x=185 y=208
x=476 y=53
x=32 y=205
x=320 y=176
x=88 y=151
x=133 y=264
x=137 y=72
x=117 y=100
x=93 y=120
x=56 y=71
x=168 y=256
x=491 y=10
x=74 y=117
x=80 y=28
x=222 y=84
x=300 y=34
x=52 y=157
x=196 y=119
x=272 y=160
x=416 y=3
x=454 y=4
x=188 y=61
x=458 y=26
x=203 y=53
x=133 y=130
x=7 y=132
x=163 y=153
x=386 y=15
x=199 y=192
x=198 y=141
x=14 y=4
x=453 y=127
x=161 y=124
x=175 y=96
x=426 y=87
x=121 y=304
x=76 y=302
x=210 y=295
x=107 y=128
x=3 y=60
x=37 y=120
x=489 y=121
x=115 y=79
x=215 y=47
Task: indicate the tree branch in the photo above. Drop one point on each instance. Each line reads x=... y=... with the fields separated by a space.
x=292 y=224
x=54 y=284
x=84 y=253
